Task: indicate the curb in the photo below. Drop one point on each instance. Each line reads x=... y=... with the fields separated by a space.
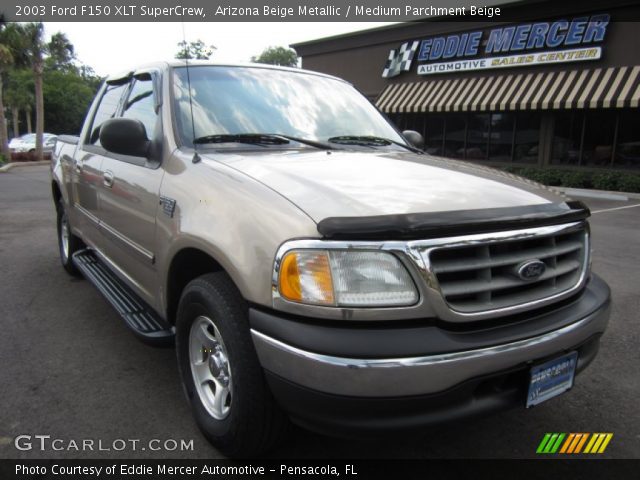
x=599 y=194
x=11 y=166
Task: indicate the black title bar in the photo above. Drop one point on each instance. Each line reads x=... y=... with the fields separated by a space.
x=317 y=469
x=252 y=10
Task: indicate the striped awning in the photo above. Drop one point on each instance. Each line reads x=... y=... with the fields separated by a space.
x=615 y=87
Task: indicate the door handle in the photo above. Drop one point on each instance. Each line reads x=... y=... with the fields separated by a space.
x=107 y=178
x=78 y=165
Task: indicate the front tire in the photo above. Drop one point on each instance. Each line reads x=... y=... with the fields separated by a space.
x=68 y=243
x=220 y=371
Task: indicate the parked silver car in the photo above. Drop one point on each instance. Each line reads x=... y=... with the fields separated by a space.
x=312 y=264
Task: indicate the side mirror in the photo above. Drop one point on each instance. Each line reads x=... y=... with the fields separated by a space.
x=414 y=138
x=125 y=136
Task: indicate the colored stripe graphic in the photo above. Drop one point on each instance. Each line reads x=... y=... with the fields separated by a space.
x=581 y=443
x=544 y=441
x=599 y=443
x=574 y=443
x=596 y=445
x=550 y=443
x=555 y=447
x=606 y=441
x=591 y=442
x=567 y=443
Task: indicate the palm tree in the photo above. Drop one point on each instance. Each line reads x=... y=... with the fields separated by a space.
x=60 y=52
x=31 y=49
x=18 y=96
x=32 y=53
x=6 y=60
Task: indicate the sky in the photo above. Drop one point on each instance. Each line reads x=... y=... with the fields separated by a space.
x=113 y=47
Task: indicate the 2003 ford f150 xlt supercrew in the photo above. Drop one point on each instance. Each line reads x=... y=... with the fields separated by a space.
x=311 y=263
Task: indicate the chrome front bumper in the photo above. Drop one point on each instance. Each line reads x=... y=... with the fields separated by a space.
x=419 y=375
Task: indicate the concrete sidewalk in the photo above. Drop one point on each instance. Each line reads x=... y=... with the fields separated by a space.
x=10 y=166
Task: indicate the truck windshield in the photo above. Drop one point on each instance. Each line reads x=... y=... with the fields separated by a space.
x=250 y=100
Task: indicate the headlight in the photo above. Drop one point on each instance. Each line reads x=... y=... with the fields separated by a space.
x=345 y=278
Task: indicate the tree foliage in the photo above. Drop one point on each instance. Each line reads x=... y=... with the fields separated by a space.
x=194 y=50
x=67 y=97
x=282 y=56
x=61 y=53
x=66 y=87
x=18 y=89
x=19 y=96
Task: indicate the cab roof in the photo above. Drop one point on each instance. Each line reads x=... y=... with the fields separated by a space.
x=174 y=63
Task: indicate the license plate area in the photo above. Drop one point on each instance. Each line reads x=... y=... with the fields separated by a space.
x=551 y=378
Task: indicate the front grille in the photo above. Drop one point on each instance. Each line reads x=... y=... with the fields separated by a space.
x=483 y=276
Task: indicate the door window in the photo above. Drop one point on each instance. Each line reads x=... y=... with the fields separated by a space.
x=141 y=105
x=106 y=110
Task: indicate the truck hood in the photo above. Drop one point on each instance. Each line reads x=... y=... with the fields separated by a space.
x=355 y=184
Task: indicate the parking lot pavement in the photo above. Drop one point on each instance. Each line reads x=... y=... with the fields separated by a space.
x=71 y=370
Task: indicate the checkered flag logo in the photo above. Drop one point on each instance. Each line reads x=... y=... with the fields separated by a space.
x=400 y=59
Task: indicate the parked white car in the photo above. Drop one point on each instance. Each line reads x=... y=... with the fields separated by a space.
x=27 y=143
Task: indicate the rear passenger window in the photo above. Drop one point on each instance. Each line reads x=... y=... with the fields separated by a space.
x=106 y=110
x=141 y=106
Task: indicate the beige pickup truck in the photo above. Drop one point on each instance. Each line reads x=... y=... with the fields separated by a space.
x=311 y=264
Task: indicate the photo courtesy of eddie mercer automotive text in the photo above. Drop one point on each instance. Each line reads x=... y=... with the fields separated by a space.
x=311 y=263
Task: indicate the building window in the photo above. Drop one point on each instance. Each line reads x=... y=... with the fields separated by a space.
x=502 y=137
x=418 y=124
x=598 y=138
x=434 y=134
x=591 y=138
x=627 y=151
x=499 y=137
x=455 y=134
x=526 y=143
x=478 y=130
x=567 y=137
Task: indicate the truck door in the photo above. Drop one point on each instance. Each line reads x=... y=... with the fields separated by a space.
x=87 y=165
x=129 y=195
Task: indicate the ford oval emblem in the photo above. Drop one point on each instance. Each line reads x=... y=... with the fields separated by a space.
x=531 y=269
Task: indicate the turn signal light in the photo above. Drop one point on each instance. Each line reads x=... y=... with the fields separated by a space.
x=305 y=276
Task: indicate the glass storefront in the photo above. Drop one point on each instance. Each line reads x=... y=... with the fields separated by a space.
x=627 y=152
x=567 y=135
x=578 y=138
x=597 y=139
x=477 y=140
x=455 y=130
x=499 y=137
x=434 y=134
x=526 y=143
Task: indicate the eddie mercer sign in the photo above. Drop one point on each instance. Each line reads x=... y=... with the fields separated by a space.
x=526 y=44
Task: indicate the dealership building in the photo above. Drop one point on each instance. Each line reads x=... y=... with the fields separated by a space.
x=559 y=87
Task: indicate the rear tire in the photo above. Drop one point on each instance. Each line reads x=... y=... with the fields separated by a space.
x=68 y=243
x=220 y=371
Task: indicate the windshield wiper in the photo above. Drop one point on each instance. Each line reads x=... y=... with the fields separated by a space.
x=250 y=138
x=260 y=139
x=306 y=141
x=370 y=141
